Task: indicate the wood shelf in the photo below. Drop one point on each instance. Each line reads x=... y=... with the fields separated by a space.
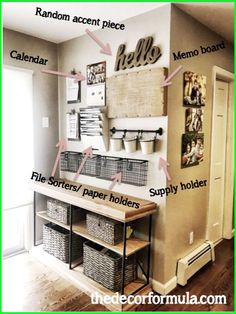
x=103 y=207
x=132 y=245
x=43 y=214
x=77 y=277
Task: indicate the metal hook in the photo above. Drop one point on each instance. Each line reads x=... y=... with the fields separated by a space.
x=155 y=136
x=113 y=131
x=141 y=131
x=73 y=72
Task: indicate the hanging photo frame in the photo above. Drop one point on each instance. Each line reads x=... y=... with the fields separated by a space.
x=194 y=120
x=194 y=89
x=96 y=73
x=192 y=149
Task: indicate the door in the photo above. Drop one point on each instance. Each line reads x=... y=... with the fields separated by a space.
x=218 y=157
x=17 y=157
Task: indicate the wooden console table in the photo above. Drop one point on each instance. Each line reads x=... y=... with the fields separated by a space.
x=118 y=212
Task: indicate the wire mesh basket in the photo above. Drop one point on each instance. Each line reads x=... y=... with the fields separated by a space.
x=64 y=161
x=73 y=161
x=69 y=161
x=91 y=165
x=108 y=167
x=134 y=171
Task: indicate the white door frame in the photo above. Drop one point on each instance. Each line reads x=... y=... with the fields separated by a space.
x=219 y=73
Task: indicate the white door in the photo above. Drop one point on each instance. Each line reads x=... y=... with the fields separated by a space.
x=218 y=154
x=17 y=157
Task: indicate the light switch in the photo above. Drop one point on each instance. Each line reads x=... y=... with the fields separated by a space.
x=45 y=122
x=191 y=237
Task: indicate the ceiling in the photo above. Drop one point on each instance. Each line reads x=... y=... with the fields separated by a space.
x=217 y=16
x=20 y=16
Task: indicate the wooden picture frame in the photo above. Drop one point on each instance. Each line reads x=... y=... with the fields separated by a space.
x=96 y=73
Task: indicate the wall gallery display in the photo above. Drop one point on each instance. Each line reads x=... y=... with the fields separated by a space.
x=194 y=89
x=96 y=73
x=192 y=149
x=194 y=120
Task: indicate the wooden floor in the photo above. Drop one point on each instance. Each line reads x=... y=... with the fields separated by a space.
x=213 y=279
x=30 y=286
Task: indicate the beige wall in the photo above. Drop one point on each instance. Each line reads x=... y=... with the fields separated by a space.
x=79 y=52
x=45 y=93
x=187 y=211
x=179 y=214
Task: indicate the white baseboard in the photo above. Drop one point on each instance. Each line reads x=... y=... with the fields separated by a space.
x=217 y=242
x=229 y=235
x=164 y=288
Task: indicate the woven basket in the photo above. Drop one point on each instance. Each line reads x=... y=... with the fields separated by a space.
x=105 y=266
x=60 y=211
x=105 y=229
x=56 y=243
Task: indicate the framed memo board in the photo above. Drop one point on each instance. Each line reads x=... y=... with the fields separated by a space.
x=136 y=94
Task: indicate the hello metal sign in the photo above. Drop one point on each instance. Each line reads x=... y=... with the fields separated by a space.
x=145 y=53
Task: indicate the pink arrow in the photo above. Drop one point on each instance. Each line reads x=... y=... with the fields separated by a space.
x=116 y=179
x=163 y=165
x=62 y=146
x=106 y=49
x=166 y=82
x=88 y=152
x=78 y=76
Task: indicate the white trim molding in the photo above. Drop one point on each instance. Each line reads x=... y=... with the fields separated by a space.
x=166 y=287
x=227 y=232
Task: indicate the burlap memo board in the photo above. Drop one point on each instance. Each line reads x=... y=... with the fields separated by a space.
x=136 y=94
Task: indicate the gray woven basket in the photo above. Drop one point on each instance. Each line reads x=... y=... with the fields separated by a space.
x=56 y=243
x=103 y=228
x=60 y=211
x=105 y=266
